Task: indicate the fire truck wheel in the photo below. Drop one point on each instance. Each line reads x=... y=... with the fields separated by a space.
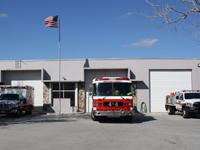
x=128 y=118
x=94 y=118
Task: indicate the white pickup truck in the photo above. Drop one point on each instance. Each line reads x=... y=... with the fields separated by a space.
x=186 y=101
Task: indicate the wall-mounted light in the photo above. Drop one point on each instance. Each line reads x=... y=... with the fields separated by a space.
x=64 y=78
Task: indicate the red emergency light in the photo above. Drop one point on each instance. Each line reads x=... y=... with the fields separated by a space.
x=122 y=78
x=118 y=78
x=101 y=79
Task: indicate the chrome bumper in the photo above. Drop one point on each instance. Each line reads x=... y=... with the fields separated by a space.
x=112 y=113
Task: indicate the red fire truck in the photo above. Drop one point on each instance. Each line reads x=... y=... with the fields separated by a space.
x=113 y=97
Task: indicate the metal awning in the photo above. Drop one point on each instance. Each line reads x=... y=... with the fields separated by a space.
x=53 y=81
x=134 y=80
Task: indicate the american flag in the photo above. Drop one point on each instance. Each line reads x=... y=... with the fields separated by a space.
x=51 y=22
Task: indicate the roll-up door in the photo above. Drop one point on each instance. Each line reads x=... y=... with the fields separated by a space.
x=162 y=82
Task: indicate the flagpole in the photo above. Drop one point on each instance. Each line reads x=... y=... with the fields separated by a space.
x=59 y=63
x=54 y=22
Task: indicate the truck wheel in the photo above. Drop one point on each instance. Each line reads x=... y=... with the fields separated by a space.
x=128 y=118
x=171 y=111
x=18 y=113
x=94 y=118
x=185 y=113
x=29 y=112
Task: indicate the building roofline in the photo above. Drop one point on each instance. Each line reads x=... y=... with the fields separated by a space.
x=55 y=81
x=23 y=69
x=113 y=68
x=83 y=59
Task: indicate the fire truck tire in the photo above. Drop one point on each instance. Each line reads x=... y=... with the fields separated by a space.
x=185 y=113
x=128 y=118
x=94 y=118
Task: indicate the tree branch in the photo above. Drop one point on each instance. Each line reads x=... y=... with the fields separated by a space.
x=170 y=14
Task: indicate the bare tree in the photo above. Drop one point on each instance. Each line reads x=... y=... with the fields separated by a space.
x=172 y=12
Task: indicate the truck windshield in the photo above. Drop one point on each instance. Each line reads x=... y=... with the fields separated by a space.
x=192 y=95
x=9 y=97
x=113 y=89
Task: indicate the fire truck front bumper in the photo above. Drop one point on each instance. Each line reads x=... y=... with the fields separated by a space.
x=120 y=113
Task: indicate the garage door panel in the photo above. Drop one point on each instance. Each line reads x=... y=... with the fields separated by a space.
x=162 y=82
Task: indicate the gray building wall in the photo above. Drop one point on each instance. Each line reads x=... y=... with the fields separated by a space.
x=90 y=74
x=73 y=70
x=8 y=76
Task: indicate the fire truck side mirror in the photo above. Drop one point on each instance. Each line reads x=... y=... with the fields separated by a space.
x=90 y=88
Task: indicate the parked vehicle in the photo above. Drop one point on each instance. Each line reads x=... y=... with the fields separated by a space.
x=112 y=97
x=16 y=99
x=187 y=102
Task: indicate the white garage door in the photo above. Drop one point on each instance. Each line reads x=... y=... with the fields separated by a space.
x=162 y=82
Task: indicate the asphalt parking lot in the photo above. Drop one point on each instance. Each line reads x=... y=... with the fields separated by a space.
x=78 y=131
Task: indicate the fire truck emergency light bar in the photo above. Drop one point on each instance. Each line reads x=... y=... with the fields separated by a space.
x=111 y=78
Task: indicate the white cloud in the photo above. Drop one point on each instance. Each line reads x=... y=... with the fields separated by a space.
x=137 y=13
x=129 y=13
x=148 y=42
x=2 y=15
x=126 y=15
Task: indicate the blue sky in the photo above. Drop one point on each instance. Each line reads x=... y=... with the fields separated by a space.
x=89 y=29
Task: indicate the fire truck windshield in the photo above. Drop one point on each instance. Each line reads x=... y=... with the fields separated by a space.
x=112 y=89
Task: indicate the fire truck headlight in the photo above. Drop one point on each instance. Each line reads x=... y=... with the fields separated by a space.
x=127 y=104
x=94 y=108
x=97 y=104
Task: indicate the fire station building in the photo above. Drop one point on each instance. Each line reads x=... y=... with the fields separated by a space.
x=152 y=80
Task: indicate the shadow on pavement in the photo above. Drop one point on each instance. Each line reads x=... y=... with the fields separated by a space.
x=137 y=118
x=31 y=119
x=196 y=116
x=41 y=118
x=192 y=116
